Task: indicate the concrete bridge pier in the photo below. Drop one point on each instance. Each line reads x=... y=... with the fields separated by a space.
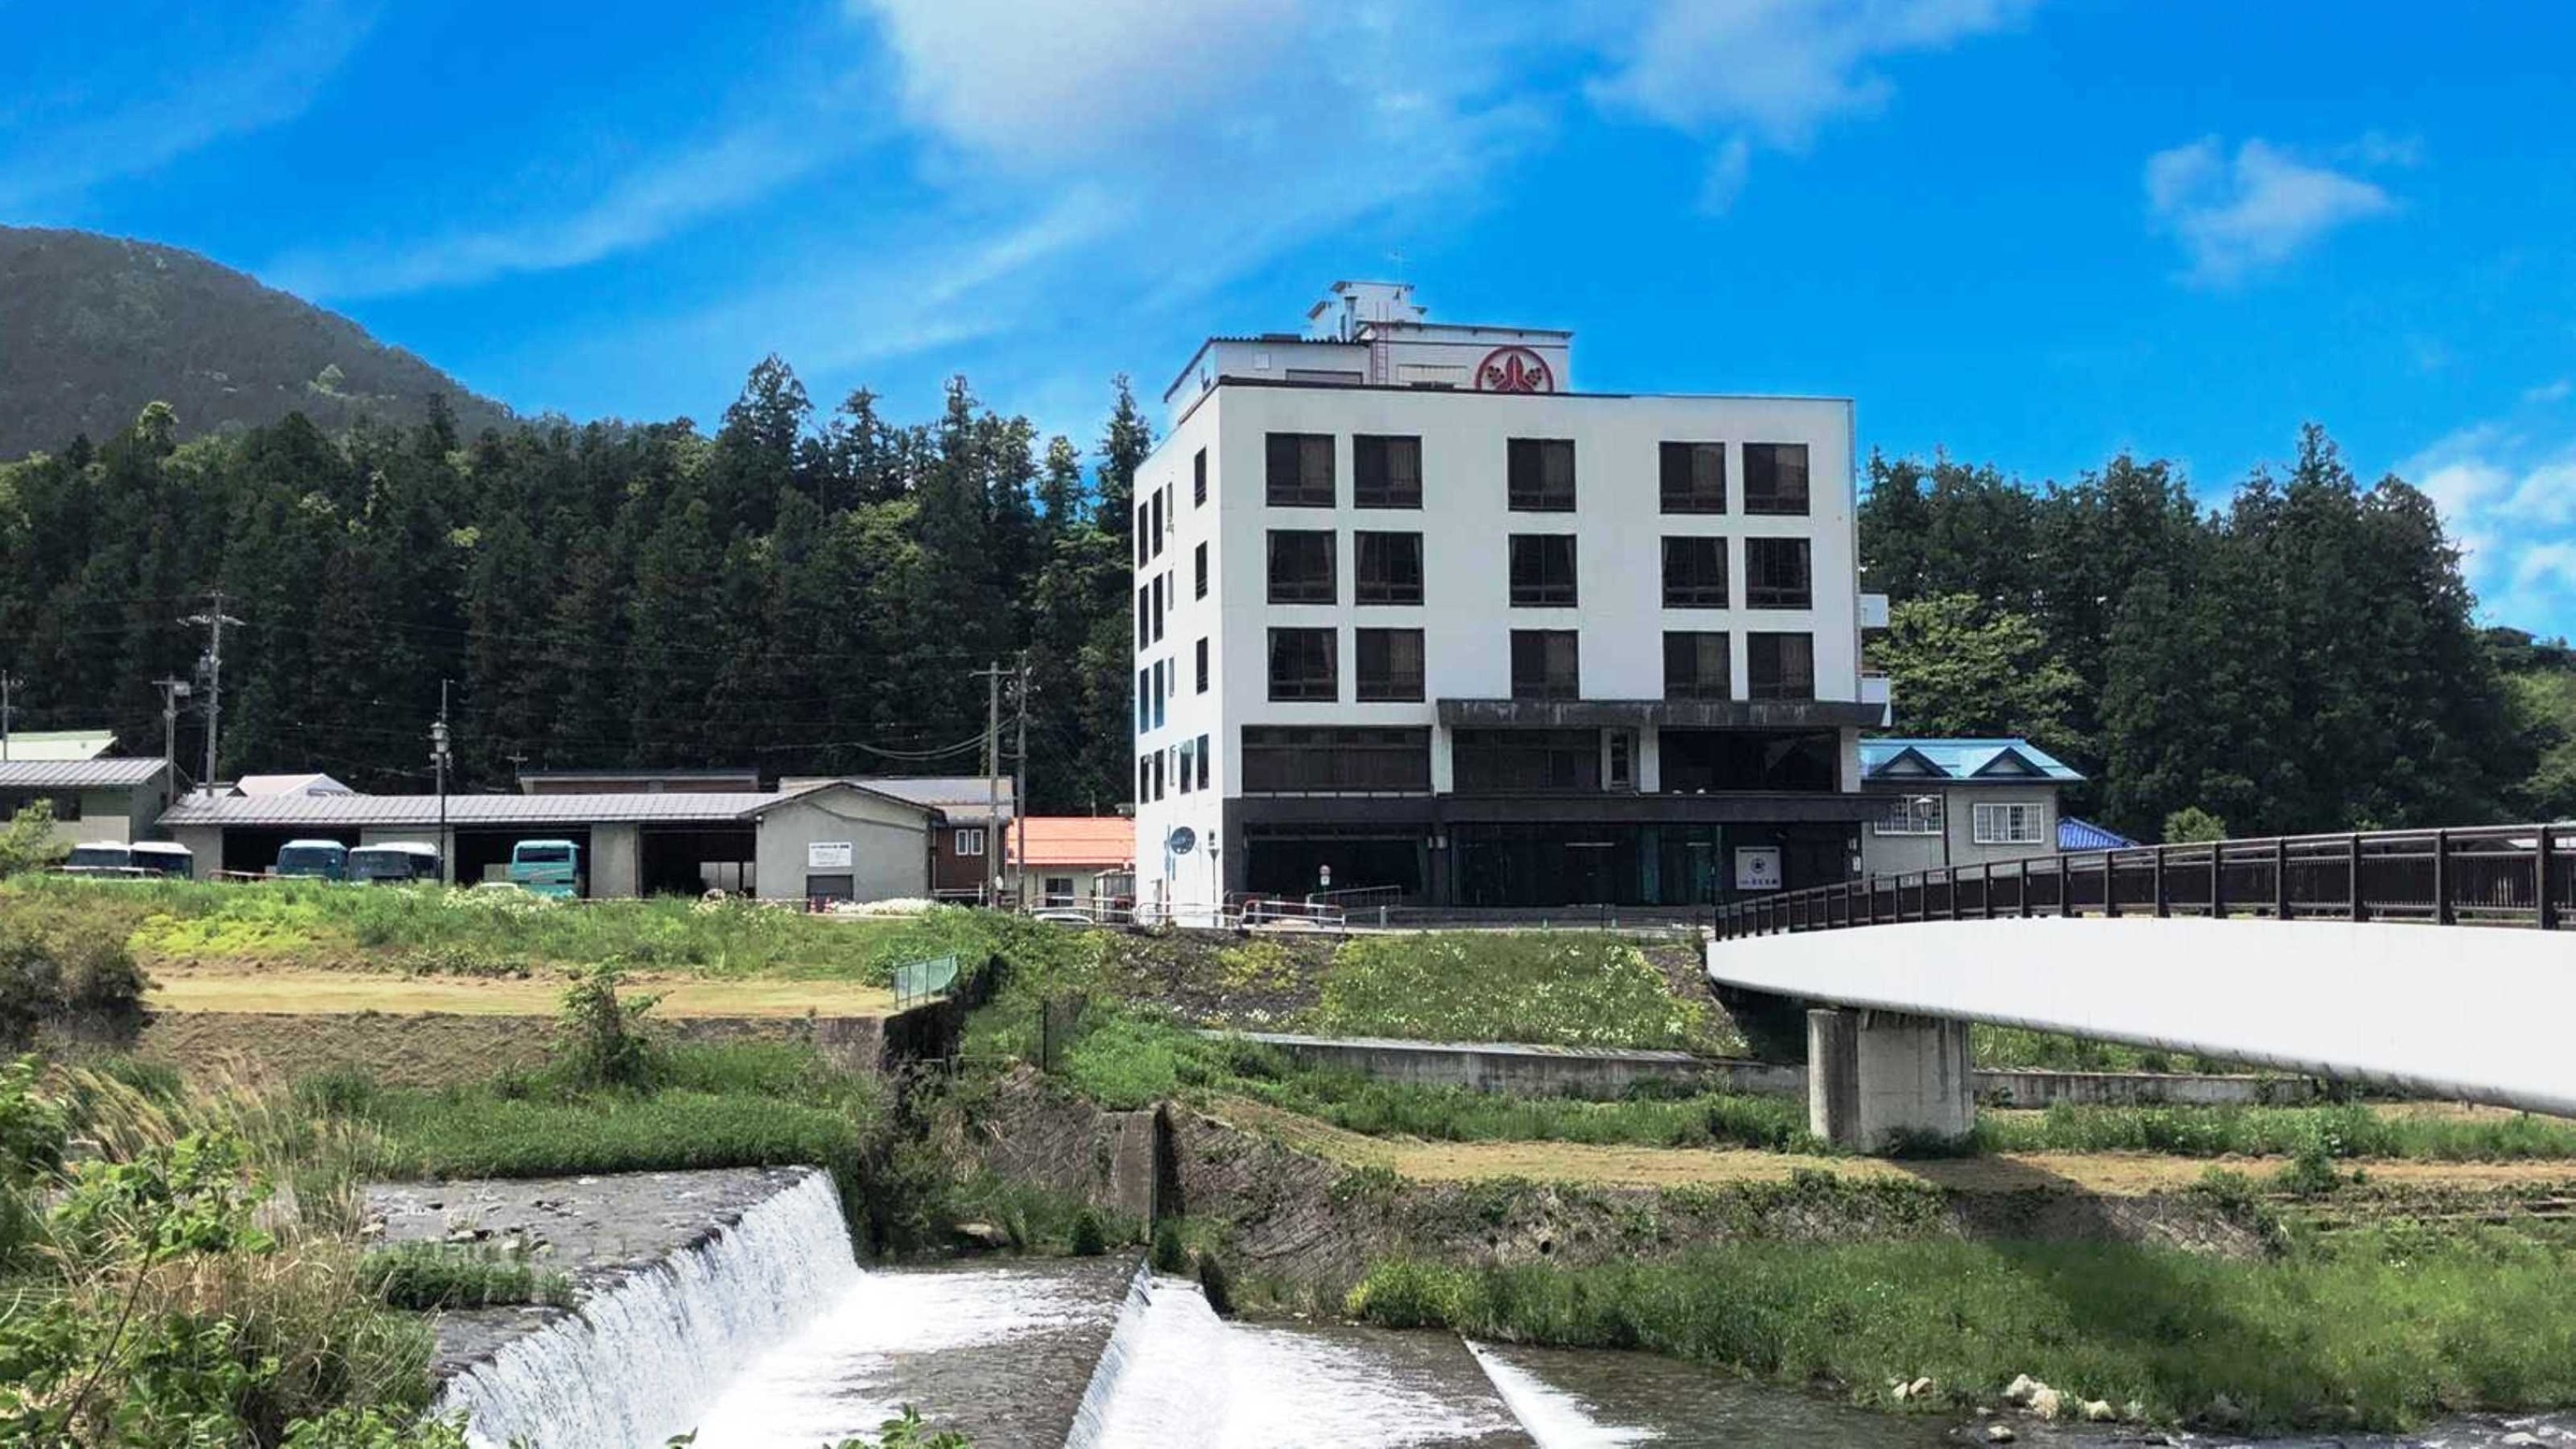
x=1877 y=1079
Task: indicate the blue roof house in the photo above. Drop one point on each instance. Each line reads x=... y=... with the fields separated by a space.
x=1959 y=802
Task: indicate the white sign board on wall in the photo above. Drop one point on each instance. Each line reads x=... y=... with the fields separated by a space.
x=828 y=855
x=1757 y=867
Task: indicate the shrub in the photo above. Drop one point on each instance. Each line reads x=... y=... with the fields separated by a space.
x=601 y=1041
x=1090 y=1240
x=47 y=975
x=28 y=843
x=1168 y=1255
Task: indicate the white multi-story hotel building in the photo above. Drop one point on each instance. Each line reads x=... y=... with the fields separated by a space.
x=1412 y=613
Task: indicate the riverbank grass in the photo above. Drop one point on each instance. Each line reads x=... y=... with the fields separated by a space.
x=2376 y=1330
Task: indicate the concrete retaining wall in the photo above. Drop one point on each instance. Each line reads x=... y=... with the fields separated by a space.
x=1542 y=1071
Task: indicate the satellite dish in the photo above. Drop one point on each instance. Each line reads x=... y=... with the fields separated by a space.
x=1182 y=840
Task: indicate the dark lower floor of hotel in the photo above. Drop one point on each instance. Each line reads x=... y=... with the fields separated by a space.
x=1484 y=853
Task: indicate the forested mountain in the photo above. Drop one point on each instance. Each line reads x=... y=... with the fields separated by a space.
x=810 y=595
x=93 y=327
x=2303 y=659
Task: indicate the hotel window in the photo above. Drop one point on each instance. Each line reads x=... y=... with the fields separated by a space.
x=1776 y=574
x=1144 y=700
x=1775 y=478
x=1386 y=472
x=1158 y=608
x=968 y=842
x=1144 y=535
x=1695 y=573
x=1546 y=664
x=1780 y=666
x=1697 y=665
x=1158 y=774
x=1300 y=473
x=1542 y=570
x=1144 y=615
x=1301 y=567
x=1388 y=568
x=1911 y=815
x=1390 y=665
x=1302 y=665
x=1541 y=475
x=1203 y=666
x=1198 y=480
x=1198 y=573
x=1144 y=779
x=1282 y=760
x=1181 y=760
x=1202 y=756
x=1694 y=477
x=1162 y=692
x=2010 y=824
x=1156 y=550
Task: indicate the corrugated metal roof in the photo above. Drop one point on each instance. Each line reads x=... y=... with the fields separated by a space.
x=1995 y=761
x=2074 y=834
x=963 y=793
x=468 y=810
x=77 y=774
x=677 y=807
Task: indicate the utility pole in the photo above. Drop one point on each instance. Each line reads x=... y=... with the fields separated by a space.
x=992 y=674
x=1020 y=787
x=9 y=685
x=213 y=620
x=441 y=758
x=172 y=691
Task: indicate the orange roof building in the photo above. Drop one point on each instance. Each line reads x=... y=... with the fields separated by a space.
x=1074 y=842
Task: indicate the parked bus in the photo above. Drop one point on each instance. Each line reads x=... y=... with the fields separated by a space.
x=546 y=868
x=313 y=860
x=134 y=860
x=401 y=862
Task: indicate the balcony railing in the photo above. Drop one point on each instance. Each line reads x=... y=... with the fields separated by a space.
x=2499 y=875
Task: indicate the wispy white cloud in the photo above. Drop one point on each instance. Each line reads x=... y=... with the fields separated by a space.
x=1774 y=71
x=2507 y=492
x=2555 y=390
x=2240 y=215
x=636 y=207
x=48 y=157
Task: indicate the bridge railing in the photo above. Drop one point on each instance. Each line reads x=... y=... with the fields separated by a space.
x=2501 y=875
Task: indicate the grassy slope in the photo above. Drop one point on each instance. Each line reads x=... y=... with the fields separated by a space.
x=2381 y=1329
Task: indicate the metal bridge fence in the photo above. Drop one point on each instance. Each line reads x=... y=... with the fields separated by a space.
x=2499 y=875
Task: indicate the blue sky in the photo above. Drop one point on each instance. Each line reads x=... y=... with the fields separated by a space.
x=2032 y=232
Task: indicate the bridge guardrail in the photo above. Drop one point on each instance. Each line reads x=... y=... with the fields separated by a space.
x=2499 y=875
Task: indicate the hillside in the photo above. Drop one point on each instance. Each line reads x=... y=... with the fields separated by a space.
x=93 y=327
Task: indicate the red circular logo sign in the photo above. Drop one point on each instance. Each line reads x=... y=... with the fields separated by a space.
x=1514 y=369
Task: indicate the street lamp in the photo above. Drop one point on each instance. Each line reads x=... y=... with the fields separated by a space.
x=1937 y=808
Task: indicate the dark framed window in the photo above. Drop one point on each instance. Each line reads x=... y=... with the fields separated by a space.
x=1776 y=574
x=1694 y=477
x=1546 y=664
x=1144 y=615
x=1387 y=568
x=1198 y=479
x=1301 y=567
x=1144 y=700
x=1162 y=689
x=1695 y=573
x=1390 y=665
x=1158 y=774
x=1303 y=665
x=1697 y=665
x=1198 y=573
x=1541 y=475
x=1158 y=521
x=1520 y=762
x=1386 y=472
x=1159 y=603
x=1775 y=478
x=1542 y=570
x=1181 y=760
x=1300 y=470
x=1203 y=761
x=1144 y=779
x=1203 y=666
x=1302 y=760
x=1144 y=534
x=1698 y=761
x=1780 y=666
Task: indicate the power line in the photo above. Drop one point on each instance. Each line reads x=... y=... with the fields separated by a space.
x=214 y=620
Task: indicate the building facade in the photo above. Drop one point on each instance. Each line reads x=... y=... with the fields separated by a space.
x=1959 y=802
x=92 y=799
x=1414 y=617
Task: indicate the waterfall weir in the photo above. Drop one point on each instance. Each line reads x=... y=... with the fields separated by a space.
x=645 y=1356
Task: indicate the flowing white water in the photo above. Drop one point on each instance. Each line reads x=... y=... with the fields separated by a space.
x=835 y=1379
x=643 y=1360
x=1189 y=1377
x=1556 y=1419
